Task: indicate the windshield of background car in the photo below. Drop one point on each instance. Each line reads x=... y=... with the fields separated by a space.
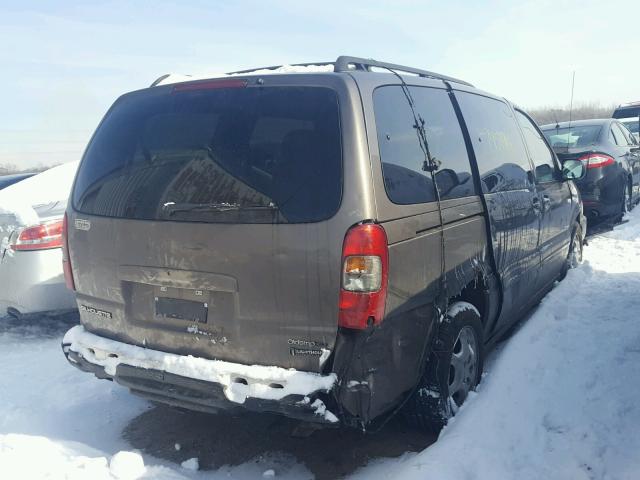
x=222 y=155
x=569 y=137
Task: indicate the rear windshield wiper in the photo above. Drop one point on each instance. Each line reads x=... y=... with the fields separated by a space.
x=171 y=207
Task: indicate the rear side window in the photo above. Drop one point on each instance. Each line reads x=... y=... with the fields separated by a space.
x=228 y=155
x=620 y=133
x=615 y=135
x=406 y=182
x=540 y=154
x=632 y=126
x=502 y=159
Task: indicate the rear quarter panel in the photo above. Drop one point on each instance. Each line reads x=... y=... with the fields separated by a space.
x=32 y=281
x=381 y=365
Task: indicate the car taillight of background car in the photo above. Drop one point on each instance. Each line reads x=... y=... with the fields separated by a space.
x=597 y=160
x=38 y=237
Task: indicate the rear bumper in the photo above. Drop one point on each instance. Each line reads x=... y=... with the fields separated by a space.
x=594 y=209
x=601 y=192
x=33 y=281
x=201 y=384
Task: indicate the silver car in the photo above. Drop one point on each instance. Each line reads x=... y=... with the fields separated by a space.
x=31 y=217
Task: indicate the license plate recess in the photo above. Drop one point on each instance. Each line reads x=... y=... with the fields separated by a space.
x=180 y=309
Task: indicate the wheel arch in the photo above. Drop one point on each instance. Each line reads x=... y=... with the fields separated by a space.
x=480 y=288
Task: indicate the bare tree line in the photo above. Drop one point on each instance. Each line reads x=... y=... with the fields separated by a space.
x=11 y=168
x=546 y=115
x=542 y=115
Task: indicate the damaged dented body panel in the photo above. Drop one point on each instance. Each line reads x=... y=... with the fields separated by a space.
x=282 y=242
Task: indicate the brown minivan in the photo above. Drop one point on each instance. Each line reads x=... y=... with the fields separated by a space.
x=335 y=243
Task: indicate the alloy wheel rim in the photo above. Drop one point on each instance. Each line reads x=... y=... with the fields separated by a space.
x=576 y=251
x=579 y=250
x=463 y=369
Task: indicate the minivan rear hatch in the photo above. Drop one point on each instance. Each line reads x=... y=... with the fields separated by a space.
x=201 y=222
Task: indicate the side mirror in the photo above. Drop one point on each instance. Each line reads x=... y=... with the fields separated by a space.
x=573 y=170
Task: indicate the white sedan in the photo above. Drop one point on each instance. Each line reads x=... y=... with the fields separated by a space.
x=31 y=217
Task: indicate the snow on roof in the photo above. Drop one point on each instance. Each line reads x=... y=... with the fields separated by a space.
x=178 y=77
x=50 y=186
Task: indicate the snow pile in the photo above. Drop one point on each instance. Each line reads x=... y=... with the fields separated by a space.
x=561 y=398
x=291 y=69
x=109 y=354
x=191 y=464
x=36 y=457
x=178 y=77
x=25 y=456
x=127 y=466
x=47 y=187
x=320 y=409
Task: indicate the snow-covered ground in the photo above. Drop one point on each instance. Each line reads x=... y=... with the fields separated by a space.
x=560 y=399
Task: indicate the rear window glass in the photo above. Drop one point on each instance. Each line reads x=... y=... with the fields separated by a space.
x=230 y=155
x=569 y=137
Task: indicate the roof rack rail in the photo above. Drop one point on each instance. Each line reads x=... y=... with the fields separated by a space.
x=346 y=63
x=159 y=79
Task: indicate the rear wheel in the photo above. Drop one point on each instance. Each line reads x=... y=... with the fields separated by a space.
x=625 y=204
x=576 y=248
x=453 y=369
x=574 y=257
x=630 y=203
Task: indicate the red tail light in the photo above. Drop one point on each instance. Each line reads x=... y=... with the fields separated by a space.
x=66 y=261
x=597 y=160
x=40 y=237
x=365 y=270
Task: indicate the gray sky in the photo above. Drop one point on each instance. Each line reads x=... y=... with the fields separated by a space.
x=63 y=63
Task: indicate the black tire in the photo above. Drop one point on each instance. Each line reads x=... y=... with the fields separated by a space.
x=630 y=202
x=625 y=203
x=574 y=257
x=433 y=403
